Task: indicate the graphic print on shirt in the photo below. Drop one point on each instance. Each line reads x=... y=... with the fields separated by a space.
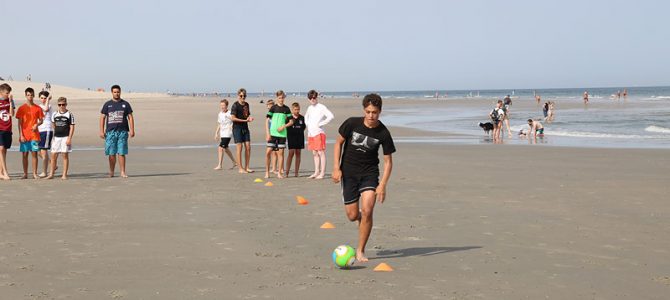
x=363 y=142
x=115 y=117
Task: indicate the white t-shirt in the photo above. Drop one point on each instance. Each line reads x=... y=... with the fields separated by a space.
x=225 y=124
x=46 y=124
x=316 y=117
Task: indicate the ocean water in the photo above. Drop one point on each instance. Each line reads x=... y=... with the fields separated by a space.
x=642 y=120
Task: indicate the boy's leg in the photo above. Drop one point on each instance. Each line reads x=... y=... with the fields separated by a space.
x=66 y=164
x=367 y=203
x=322 y=164
x=24 y=161
x=35 y=160
x=280 y=162
x=317 y=163
x=273 y=163
x=268 y=161
x=52 y=170
x=297 y=162
x=232 y=159
x=220 y=158
x=289 y=160
x=247 y=155
x=3 y=164
x=238 y=149
x=122 y=166
x=44 y=155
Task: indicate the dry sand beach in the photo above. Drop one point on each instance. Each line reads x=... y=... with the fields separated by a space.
x=460 y=221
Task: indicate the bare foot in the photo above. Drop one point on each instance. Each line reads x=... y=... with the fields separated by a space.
x=51 y=176
x=217 y=168
x=25 y=176
x=5 y=177
x=124 y=175
x=111 y=175
x=233 y=167
x=65 y=177
x=250 y=171
x=35 y=176
x=313 y=176
x=296 y=174
x=280 y=175
x=267 y=175
x=319 y=177
x=242 y=171
x=360 y=256
x=43 y=174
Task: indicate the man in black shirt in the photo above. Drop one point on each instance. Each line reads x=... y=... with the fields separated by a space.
x=358 y=144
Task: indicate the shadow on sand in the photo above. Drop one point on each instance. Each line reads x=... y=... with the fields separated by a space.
x=106 y=175
x=420 y=251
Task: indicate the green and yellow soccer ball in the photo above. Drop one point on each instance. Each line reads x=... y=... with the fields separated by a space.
x=344 y=256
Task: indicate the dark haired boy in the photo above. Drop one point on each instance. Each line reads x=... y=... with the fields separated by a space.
x=46 y=132
x=6 y=113
x=30 y=117
x=241 y=116
x=358 y=145
x=116 y=125
x=296 y=138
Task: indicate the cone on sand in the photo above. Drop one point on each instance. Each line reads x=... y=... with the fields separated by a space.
x=301 y=200
x=269 y=183
x=383 y=267
x=327 y=225
x=258 y=180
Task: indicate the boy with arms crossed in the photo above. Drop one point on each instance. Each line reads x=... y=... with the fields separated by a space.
x=358 y=144
x=63 y=124
x=316 y=117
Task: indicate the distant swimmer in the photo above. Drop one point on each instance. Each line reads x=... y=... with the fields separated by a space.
x=586 y=97
x=625 y=93
x=538 y=99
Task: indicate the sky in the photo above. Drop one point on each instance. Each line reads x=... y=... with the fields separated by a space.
x=186 y=46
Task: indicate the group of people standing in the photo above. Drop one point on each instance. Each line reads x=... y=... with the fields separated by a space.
x=284 y=127
x=43 y=130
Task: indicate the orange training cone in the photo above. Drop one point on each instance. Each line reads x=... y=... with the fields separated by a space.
x=327 y=225
x=383 y=267
x=269 y=183
x=301 y=200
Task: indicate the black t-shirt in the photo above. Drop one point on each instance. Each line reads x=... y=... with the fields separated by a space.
x=297 y=130
x=62 y=122
x=240 y=111
x=361 y=147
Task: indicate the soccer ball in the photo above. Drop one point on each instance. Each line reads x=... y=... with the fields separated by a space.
x=344 y=256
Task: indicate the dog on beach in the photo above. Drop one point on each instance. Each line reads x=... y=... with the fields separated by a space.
x=488 y=126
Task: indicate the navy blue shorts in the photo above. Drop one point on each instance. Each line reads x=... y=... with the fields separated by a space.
x=354 y=186
x=241 y=135
x=45 y=140
x=6 y=139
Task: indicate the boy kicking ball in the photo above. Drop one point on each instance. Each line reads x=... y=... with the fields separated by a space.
x=63 y=123
x=358 y=144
